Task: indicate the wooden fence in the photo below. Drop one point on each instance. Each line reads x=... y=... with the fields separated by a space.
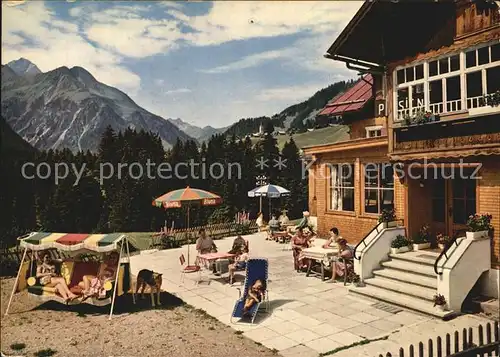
x=182 y=236
x=463 y=345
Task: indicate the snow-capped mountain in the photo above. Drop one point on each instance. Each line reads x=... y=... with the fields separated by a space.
x=69 y=108
x=200 y=134
x=24 y=67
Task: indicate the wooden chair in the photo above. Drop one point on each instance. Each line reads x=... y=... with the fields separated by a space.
x=188 y=269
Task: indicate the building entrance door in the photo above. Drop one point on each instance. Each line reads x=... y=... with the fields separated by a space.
x=453 y=201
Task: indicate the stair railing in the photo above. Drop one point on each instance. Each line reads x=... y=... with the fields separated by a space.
x=445 y=253
x=378 y=230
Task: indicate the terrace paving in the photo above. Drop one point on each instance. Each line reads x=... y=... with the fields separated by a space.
x=307 y=316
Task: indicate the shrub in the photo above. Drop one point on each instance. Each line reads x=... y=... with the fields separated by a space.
x=387 y=215
x=479 y=222
x=400 y=241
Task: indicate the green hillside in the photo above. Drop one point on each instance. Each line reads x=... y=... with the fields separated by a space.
x=317 y=137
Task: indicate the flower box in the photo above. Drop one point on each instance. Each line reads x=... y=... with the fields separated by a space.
x=476 y=235
x=421 y=246
x=400 y=250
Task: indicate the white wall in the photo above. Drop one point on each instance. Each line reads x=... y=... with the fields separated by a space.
x=462 y=270
x=490 y=283
x=376 y=251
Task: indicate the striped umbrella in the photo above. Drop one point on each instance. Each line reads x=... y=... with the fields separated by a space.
x=271 y=191
x=186 y=196
x=176 y=198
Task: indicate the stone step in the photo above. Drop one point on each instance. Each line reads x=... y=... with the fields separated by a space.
x=407 y=277
x=399 y=299
x=406 y=266
x=427 y=257
x=402 y=287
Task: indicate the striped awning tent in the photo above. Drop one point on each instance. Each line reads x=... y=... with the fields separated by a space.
x=100 y=243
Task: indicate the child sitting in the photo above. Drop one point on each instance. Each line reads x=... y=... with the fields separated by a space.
x=255 y=295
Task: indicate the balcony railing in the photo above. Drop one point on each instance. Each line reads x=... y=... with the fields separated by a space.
x=444 y=107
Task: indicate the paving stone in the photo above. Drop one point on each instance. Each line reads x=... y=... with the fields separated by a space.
x=299 y=351
x=345 y=338
x=280 y=343
x=302 y=336
x=306 y=321
x=366 y=331
x=323 y=345
x=385 y=325
x=261 y=334
x=325 y=329
x=285 y=327
x=364 y=317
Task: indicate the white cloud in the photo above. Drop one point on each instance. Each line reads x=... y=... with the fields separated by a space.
x=289 y=93
x=58 y=43
x=178 y=91
x=248 y=61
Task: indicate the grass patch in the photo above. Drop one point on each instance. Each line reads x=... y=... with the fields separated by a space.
x=18 y=346
x=238 y=332
x=45 y=353
x=359 y=343
x=275 y=351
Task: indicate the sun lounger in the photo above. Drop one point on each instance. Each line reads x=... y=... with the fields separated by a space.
x=257 y=269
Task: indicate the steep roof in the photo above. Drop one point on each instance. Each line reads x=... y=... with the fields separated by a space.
x=351 y=100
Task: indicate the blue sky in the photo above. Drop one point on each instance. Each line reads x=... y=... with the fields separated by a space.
x=208 y=63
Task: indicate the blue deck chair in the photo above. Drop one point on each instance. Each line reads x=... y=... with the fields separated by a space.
x=257 y=269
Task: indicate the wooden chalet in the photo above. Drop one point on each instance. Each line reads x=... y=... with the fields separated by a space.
x=435 y=68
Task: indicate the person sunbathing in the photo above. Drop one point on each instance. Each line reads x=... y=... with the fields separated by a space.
x=46 y=272
x=255 y=295
x=94 y=285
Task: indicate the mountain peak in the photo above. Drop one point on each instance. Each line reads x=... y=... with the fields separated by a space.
x=24 y=67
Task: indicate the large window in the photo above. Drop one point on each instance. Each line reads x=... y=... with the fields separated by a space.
x=448 y=84
x=379 y=187
x=342 y=187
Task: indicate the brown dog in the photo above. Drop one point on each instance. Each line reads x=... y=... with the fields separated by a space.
x=154 y=280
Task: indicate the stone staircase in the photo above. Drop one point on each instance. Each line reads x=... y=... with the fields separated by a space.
x=406 y=280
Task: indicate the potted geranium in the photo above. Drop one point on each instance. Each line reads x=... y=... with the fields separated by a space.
x=478 y=226
x=443 y=241
x=400 y=244
x=440 y=302
x=355 y=279
x=422 y=239
x=388 y=217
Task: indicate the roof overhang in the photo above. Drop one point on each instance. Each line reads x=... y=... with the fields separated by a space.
x=385 y=31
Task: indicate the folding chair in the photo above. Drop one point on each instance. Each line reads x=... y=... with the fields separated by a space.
x=257 y=269
x=188 y=269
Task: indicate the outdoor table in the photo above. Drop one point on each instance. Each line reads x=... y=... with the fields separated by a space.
x=208 y=258
x=281 y=237
x=318 y=255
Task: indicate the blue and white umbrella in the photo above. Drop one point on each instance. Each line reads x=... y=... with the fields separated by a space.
x=271 y=191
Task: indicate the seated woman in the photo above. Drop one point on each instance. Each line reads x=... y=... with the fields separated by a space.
x=334 y=238
x=239 y=264
x=94 y=285
x=46 y=272
x=255 y=295
x=239 y=244
x=339 y=267
x=299 y=241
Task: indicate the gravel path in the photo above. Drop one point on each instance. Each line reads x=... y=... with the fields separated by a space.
x=175 y=329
